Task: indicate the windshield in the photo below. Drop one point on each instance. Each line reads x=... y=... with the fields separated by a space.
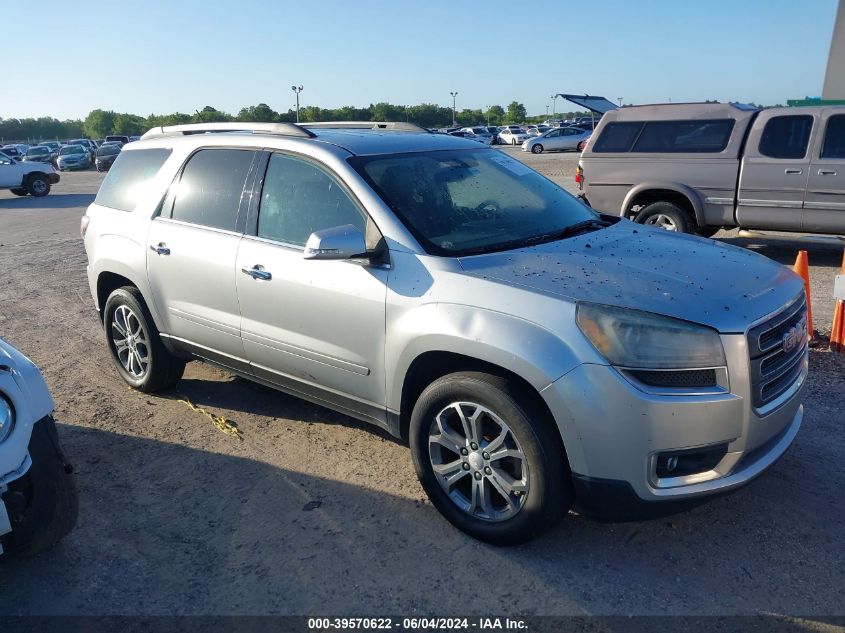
x=71 y=149
x=108 y=150
x=35 y=151
x=470 y=201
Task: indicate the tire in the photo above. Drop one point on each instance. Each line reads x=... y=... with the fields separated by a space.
x=19 y=191
x=666 y=215
x=148 y=367
x=581 y=146
x=537 y=149
x=43 y=503
x=543 y=469
x=37 y=186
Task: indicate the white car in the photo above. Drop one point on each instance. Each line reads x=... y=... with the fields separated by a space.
x=38 y=501
x=24 y=178
x=509 y=136
x=480 y=134
x=561 y=138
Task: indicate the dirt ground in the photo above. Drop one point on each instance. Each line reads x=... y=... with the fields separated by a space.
x=314 y=513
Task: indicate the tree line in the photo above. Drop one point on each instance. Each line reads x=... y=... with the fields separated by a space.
x=100 y=123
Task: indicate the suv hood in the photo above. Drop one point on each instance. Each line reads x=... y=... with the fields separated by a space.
x=634 y=266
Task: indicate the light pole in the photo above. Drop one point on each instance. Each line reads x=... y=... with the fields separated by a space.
x=547 y=110
x=553 y=98
x=487 y=109
x=454 y=94
x=620 y=101
x=297 y=90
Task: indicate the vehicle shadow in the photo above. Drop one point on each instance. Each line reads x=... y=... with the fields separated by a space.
x=168 y=529
x=822 y=250
x=55 y=200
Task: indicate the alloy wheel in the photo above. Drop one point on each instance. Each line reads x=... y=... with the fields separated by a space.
x=130 y=342
x=478 y=461
x=662 y=221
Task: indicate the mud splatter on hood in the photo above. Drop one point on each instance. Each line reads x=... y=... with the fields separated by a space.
x=634 y=266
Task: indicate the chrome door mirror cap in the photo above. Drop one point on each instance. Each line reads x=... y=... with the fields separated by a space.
x=338 y=242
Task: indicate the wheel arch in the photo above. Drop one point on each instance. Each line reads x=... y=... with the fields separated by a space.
x=648 y=192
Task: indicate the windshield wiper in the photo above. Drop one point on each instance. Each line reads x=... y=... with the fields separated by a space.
x=572 y=230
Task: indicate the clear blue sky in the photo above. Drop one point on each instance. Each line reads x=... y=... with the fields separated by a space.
x=162 y=56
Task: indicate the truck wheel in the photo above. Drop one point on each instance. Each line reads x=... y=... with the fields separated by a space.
x=489 y=459
x=43 y=504
x=37 y=186
x=19 y=191
x=136 y=348
x=665 y=215
x=537 y=149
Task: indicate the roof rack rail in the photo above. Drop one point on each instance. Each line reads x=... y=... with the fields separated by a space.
x=398 y=126
x=282 y=129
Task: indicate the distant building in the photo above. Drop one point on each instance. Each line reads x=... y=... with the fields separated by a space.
x=834 y=79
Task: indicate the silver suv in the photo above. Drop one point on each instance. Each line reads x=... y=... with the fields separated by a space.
x=533 y=352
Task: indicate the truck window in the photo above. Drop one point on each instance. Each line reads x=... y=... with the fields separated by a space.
x=618 y=137
x=705 y=136
x=834 y=137
x=786 y=136
x=128 y=176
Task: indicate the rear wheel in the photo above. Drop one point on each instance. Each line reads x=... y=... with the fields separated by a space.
x=537 y=149
x=581 y=146
x=37 y=186
x=489 y=458
x=665 y=215
x=19 y=191
x=136 y=348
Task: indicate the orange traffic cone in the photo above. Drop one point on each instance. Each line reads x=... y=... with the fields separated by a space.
x=802 y=267
x=837 y=332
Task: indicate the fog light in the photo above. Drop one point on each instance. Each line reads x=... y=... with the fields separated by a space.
x=689 y=462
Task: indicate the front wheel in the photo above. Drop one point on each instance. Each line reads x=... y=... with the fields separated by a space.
x=37 y=186
x=489 y=458
x=135 y=345
x=537 y=149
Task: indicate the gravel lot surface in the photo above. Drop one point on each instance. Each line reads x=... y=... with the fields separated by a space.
x=314 y=513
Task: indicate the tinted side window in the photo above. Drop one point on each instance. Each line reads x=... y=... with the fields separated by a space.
x=209 y=192
x=834 y=137
x=618 y=137
x=127 y=177
x=300 y=198
x=703 y=136
x=786 y=136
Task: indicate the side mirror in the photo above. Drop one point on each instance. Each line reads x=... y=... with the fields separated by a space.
x=338 y=242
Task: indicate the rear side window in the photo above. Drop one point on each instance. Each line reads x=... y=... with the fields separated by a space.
x=300 y=198
x=618 y=137
x=209 y=191
x=834 y=137
x=128 y=176
x=705 y=136
x=786 y=136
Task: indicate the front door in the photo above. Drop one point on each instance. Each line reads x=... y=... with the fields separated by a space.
x=824 y=204
x=11 y=172
x=191 y=253
x=315 y=328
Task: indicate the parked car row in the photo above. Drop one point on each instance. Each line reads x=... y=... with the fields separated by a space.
x=79 y=153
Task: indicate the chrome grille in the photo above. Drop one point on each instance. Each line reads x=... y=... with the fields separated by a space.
x=775 y=364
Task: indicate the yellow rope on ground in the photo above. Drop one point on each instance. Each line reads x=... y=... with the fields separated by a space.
x=226 y=426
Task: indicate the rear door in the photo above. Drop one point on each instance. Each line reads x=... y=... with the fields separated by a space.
x=774 y=171
x=192 y=247
x=824 y=204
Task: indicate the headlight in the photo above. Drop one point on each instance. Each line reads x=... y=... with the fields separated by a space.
x=642 y=340
x=7 y=419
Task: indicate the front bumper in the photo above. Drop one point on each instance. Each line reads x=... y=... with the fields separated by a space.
x=614 y=432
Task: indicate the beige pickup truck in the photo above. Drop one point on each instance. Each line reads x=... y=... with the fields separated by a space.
x=699 y=167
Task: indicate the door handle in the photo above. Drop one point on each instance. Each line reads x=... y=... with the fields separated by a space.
x=793 y=171
x=160 y=249
x=826 y=172
x=257 y=272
